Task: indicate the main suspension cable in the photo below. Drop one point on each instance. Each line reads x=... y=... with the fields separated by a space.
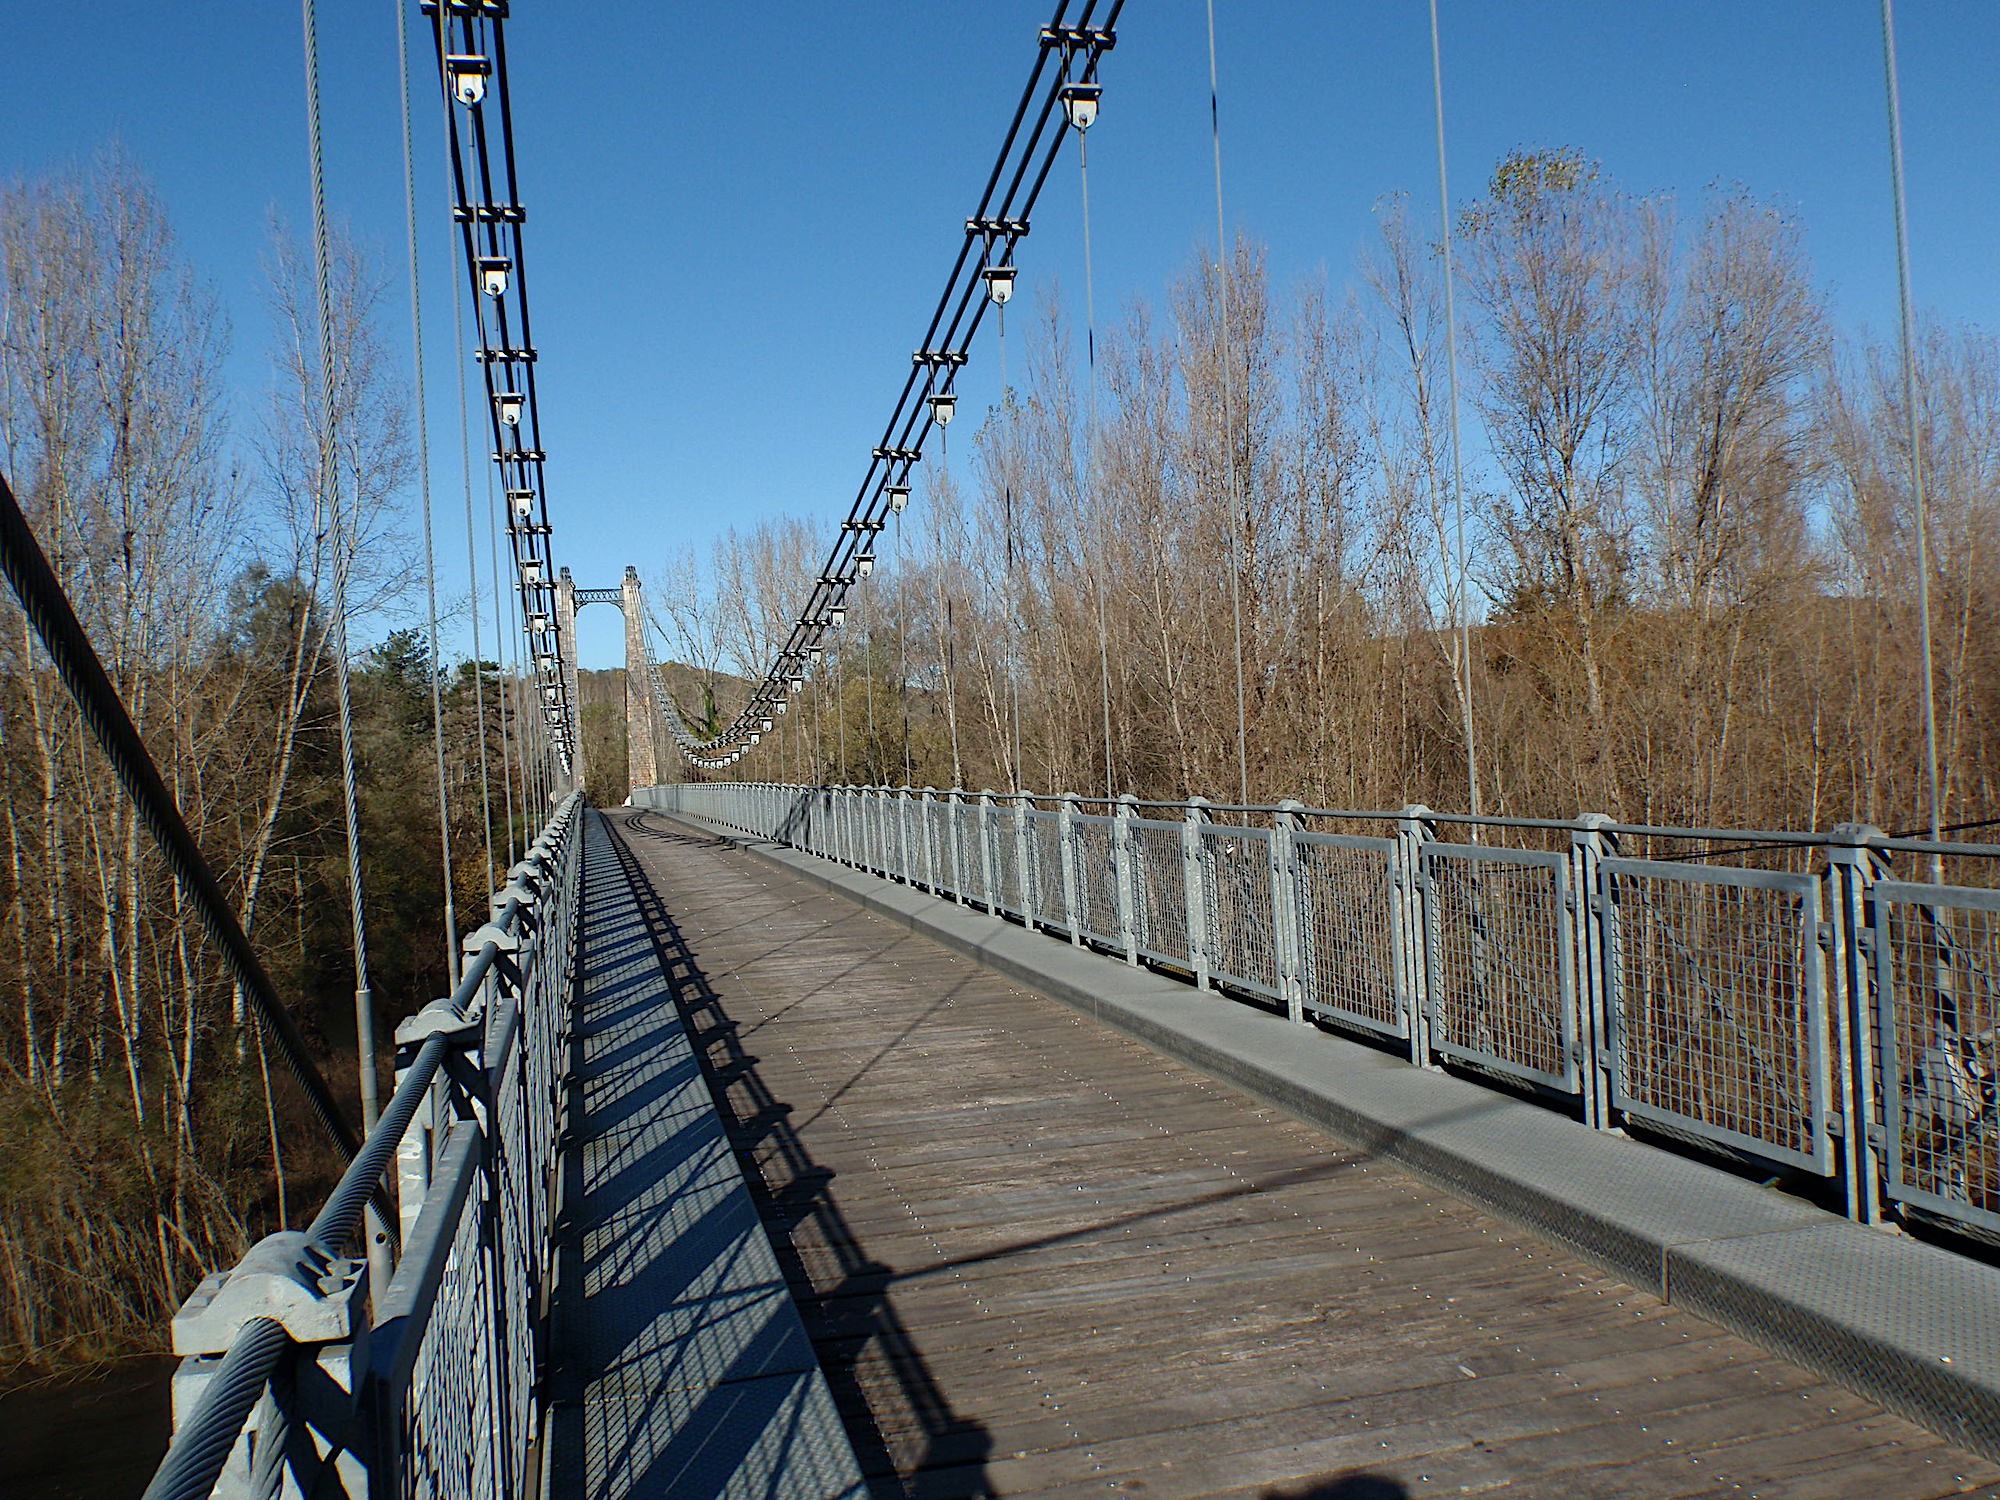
x=77 y=663
x=507 y=627
x=470 y=41
x=991 y=234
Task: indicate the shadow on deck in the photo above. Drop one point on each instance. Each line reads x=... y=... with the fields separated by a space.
x=795 y=1197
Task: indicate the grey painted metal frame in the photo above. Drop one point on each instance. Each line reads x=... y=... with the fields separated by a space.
x=1937 y=986
x=1836 y=1022
x=297 y=1376
x=1716 y=1000
x=1500 y=961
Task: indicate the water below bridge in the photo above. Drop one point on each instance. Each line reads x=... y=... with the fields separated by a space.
x=1032 y=1256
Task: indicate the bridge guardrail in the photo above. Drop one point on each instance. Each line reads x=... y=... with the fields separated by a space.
x=1776 y=997
x=297 y=1375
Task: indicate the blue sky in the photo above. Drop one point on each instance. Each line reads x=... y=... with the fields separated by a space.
x=740 y=218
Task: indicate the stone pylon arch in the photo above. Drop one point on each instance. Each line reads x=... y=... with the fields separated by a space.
x=642 y=754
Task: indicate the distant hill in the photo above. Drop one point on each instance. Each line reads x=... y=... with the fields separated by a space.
x=602 y=715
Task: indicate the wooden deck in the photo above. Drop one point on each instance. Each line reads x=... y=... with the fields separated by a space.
x=1035 y=1257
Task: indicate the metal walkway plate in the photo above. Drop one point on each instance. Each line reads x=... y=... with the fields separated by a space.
x=679 y=1365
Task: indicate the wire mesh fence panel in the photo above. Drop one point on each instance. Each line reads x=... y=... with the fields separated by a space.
x=451 y=1424
x=899 y=828
x=1097 y=880
x=1350 y=930
x=1011 y=882
x=970 y=818
x=937 y=843
x=1159 y=891
x=937 y=847
x=1500 y=976
x=821 y=822
x=1937 y=955
x=1045 y=845
x=923 y=857
x=864 y=830
x=1236 y=880
x=1716 y=999
x=920 y=842
x=519 y=1189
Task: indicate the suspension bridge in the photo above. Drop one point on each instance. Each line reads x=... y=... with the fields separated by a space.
x=781 y=1138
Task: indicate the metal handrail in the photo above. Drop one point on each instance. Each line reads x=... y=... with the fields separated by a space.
x=1804 y=838
x=203 y=1441
x=1576 y=972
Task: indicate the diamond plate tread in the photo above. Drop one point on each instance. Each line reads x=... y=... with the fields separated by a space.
x=776 y=1437
x=1912 y=1315
x=679 y=1364
x=1882 y=1314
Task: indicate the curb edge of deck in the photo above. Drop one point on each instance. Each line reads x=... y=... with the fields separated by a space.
x=1902 y=1322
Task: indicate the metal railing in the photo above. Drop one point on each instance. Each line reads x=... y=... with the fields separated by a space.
x=1746 y=992
x=300 y=1377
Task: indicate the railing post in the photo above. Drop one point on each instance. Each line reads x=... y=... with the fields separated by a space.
x=988 y=864
x=1128 y=889
x=1413 y=831
x=1066 y=850
x=1590 y=843
x=1853 y=867
x=1025 y=875
x=1194 y=862
x=953 y=801
x=1287 y=908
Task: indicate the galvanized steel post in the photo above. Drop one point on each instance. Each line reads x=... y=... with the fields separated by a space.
x=988 y=864
x=953 y=801
x=1288 y=907
x=1066 y=857
x=1023 y=866
x=1121 y=859
x=1860 y=939
x=1589 y=843
x=1413 y=831
x=1193 y=863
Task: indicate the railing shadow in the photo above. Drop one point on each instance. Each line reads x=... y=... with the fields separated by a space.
x=903 y=1429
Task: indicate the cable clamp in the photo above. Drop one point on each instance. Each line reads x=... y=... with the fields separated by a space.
x=436 y=1019
x=315 y=1296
